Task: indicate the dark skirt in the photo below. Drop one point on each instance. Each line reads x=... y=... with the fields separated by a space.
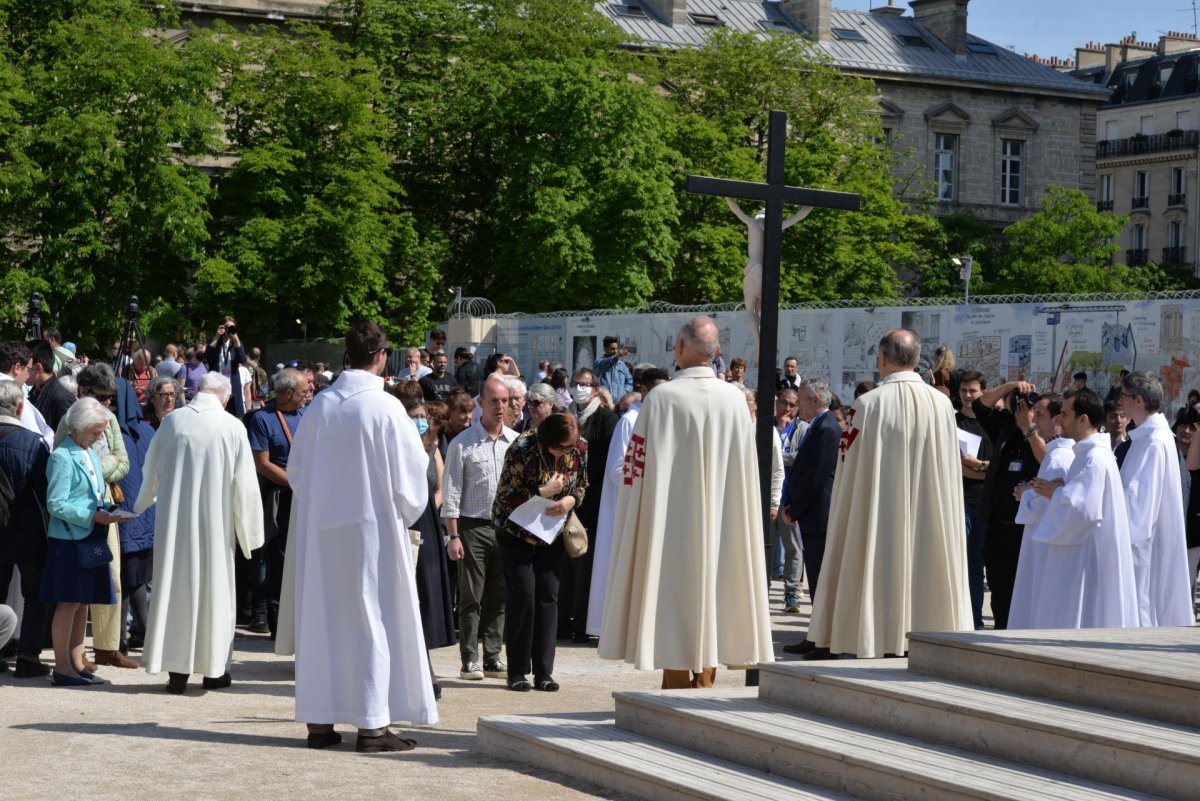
x=136 y=569
x=433 y=582
x=64 y=581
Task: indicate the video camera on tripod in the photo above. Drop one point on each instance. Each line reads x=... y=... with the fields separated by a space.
x=131 y=337
x=33 y=320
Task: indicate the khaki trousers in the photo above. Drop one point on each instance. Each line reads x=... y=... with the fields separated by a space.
x=106 y=618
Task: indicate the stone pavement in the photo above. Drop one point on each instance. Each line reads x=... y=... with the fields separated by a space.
x=130 y=739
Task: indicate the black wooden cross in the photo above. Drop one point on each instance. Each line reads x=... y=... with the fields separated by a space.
x=776 y=193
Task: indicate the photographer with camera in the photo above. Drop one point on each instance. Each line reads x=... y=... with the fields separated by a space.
x=1017 y=451
x=226 y=356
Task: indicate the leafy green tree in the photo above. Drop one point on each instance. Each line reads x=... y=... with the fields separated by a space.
x=18 y=174
x=308 y=222
x=112 y=115
x=723 y=92
x=1067 y=246
x=554 y=185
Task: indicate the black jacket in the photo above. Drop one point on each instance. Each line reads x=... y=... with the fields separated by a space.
x=810 y=482
x=237 y=357
x=23 y=457
x=598 y=431
x=52 y=399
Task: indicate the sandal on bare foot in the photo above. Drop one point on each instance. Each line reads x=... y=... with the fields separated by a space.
x=377 y=743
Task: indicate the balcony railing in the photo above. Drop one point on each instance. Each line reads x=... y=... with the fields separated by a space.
x=1139 y=145
x=1177 y=200
x=1104 y=205
x=1176 y=255
x=1140 y=203
x=1137 y=257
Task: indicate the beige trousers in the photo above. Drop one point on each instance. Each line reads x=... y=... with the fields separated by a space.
x=106 y=618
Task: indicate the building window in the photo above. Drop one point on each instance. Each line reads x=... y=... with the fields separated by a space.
x=1146 y=127
x=1174 y=252
x=1178 y=195
x=1137 y=246
x=1183 y=120
x=1010 y=172
x=945 y=165
x=1141 y=190
x=1112 y=130
x=1105 y=203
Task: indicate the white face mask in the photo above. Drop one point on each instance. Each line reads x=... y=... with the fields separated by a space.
x=581 y=394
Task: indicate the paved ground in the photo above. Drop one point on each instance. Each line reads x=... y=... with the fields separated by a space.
x=130 y=740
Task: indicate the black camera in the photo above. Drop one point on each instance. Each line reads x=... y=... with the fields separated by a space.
x=131 y=308
x=1029 y=399
x=230 y=330
x=1190 y=416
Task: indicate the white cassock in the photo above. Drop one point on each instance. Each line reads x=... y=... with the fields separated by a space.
x=1060 y=453
x=1154 y=498
x=349 y=607
x=1087 y=566
x=896 y=548
x=686 y=587
x=614 y=469
x=200 y=472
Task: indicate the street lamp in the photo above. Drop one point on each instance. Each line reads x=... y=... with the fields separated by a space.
x=303 y=329
x=964 y=265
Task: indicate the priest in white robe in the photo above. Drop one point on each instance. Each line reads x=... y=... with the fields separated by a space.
x=645 y=378
x=200 y=472
x=686 y=590
x=895 y=554
x=1154 y=497
x=357 y=470
x=1060 y=453
x=1085 y=572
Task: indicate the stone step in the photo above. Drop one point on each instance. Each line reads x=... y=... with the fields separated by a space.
x=880 y=766
x=586 y=747
x=1148 y=672
x=1111 y=747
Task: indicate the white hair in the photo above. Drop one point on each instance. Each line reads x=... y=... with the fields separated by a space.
x=515 y=385
x=85 y=414
x=215 y=384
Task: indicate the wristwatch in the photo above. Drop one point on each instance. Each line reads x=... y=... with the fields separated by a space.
x=453 y=536
x=1029 y=432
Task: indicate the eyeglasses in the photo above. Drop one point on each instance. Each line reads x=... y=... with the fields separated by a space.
x=165 y=396
x=105 y=398
x=387 y=351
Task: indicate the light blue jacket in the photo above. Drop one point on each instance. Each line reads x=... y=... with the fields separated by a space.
x=70 y=497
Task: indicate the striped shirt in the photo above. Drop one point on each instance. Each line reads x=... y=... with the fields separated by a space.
x=473 y=466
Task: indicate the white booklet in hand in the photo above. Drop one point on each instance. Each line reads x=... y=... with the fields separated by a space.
x=969 y=443
x=123 y=515
x=532 y=517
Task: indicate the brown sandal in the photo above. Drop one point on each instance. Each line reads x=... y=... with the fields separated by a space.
x=377 y=743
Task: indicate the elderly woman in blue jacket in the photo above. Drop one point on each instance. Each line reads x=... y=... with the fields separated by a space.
x=75 y=503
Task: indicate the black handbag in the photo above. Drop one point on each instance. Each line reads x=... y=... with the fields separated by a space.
x=92 y=551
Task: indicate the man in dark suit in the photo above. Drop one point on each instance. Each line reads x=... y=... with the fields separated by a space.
x=810 y=483
x=49 y=397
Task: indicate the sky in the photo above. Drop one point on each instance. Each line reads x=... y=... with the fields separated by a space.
x=1057 y=27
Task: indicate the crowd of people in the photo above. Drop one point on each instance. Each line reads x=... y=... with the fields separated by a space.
x=171 y=498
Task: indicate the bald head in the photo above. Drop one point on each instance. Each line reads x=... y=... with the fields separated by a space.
x=899 y=349
x=493 y=401
x=697 y=343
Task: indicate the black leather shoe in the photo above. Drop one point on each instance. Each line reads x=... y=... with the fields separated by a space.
x=31 y=670
x=803 y=647
x=819 y=653
x=378 y=743
x=177 y=683
x=323 y=739
x=218 y=683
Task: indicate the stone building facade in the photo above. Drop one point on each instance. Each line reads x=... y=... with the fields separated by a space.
x=1149 y=144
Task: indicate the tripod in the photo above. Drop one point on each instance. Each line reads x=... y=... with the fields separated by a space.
x=130 y=333
x=33 y=322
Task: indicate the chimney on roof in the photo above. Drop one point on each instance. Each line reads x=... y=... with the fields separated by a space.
x=888 y=9
x=1175 y=41
x=814 y=15
x=945 y=19
x=1127 y=49
x=1090 y=55
x=675 y=11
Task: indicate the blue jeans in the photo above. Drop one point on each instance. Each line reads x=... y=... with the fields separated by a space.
x=976 y=534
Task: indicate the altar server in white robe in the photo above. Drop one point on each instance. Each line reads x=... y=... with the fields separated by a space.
x=357 y=470
x=1086 y=570
x=686 y=589
x=200 y=472
x=1154 y=497
x=645 y=378
x=1060 y=453
x=895 y=552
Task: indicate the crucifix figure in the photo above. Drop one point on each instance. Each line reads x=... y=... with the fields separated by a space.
x=752 y=280
x=766 y=233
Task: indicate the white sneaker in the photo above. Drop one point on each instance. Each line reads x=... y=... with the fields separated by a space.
x=471 y=671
